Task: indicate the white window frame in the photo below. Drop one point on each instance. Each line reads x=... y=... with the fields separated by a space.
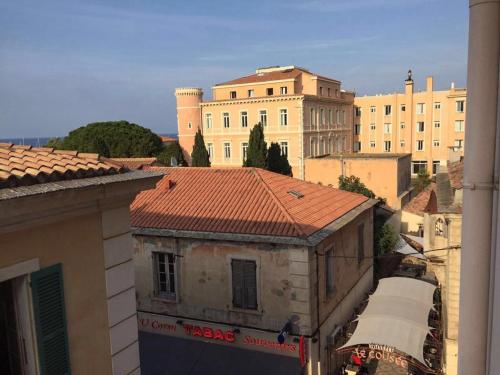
x=231 y=96
x=280 y=113
x=208 y=120
x=418 y=143
x=387 y=108
x=242 y=124
x=261 y=113
x=387 y=128
x=461 y=126
x=419 y=163
x=167 y=295
x=420 y=129
x=210 y=150
x=372 y=144
x=435 y=143
x=460 y=106
x=420 y=110
x=357 y=129
x=251 y=93
x=385 y=146
x=402 y=143
x=284 y=142
x=437 y=105
x=461 y=142
x=373 y=109
x=224 y=120
x=283 y=90
x=437 y=124
x=373 y=126
x=224 y=143
x=244 y=151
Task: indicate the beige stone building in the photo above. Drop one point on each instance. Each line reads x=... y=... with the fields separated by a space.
x=67 y=292
x=307 y=114
x=428 y=124
x=387 y=175
x=226 y=257
x=442 y=240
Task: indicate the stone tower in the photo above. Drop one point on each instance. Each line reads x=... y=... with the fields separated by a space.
x=188 y=117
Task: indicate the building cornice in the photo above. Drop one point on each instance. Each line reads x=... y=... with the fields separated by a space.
x=260 y=99
x=253 y=83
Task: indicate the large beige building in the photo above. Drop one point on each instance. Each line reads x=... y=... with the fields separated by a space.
x=428 y=124
x=307 y=114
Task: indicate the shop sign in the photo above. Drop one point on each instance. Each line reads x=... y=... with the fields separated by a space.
x=381 y=353
x=217 y=333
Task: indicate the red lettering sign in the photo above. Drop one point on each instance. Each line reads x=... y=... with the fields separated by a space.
x=209 y=333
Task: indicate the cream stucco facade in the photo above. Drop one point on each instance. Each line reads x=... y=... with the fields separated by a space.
x=428 y=124
x=308 y=115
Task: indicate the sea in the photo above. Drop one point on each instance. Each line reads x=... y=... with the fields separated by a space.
x=41 y=141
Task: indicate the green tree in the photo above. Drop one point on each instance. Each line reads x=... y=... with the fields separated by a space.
x=56 y=143
x=173 y=150
x=354 y=184
x=199 y=156
x=113 y=139
x=257 y=148
x=385 y=239
x=276 y=161
x=422 y=181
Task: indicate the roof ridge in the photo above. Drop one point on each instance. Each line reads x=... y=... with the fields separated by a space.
x=256 y=172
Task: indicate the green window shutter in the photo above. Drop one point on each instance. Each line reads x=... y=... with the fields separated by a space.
x=50 y=319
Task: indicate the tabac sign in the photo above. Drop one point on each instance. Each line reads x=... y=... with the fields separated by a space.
x=244 y=338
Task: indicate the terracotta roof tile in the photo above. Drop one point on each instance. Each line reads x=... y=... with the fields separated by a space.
x=264 y=77
x=456 y=173
x=423 y=202
x=239 y=200
x=134 y=163
x=26 y=165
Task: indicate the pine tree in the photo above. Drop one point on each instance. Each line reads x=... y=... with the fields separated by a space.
x=172 y=151
x=257 y=148
x=276 y=162
x=199 y=156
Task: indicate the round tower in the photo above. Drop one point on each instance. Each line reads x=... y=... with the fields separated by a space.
x=188 y=117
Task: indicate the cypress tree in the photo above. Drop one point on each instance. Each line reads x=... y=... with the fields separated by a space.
x=199 y=156
x=257 y=148
x=276 y=162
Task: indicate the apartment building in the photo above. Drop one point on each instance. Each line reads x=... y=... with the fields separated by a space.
x=307 y=114
x=428 y=124
x=227 y=259
x=67 y=292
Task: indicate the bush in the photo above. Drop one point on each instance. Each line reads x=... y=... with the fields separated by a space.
x=276 y=162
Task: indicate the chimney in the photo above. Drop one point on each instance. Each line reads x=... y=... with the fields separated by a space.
x=429 y=83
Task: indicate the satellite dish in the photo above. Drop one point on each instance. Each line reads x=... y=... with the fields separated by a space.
x=173 y=161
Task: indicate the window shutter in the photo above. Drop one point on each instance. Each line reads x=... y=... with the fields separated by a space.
x=237 y=276
x=50 y=319
x=250 y=279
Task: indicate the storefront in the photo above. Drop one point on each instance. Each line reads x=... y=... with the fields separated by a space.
x=214 y=348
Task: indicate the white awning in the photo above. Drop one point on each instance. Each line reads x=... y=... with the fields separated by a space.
x=396 y=315
x=402 y=247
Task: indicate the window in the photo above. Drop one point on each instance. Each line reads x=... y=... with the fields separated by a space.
x=227 y=150
x=361 y=242
x=322 y=116
x=420 y=108
x=251 y=93
x=330 y=117
x=232 y=94
x=435 y=143
x=284 y=148
x=387 y=110
x=437 y=124
x=387 y=146
x=283 y=90
x=208 y=120
x=435 y=166
x=373 y=109
x=420 y=126
x=372 y=126
x=357 y=111
x=402 y=143
x=321 y=91
x=357 y=146
x=439 y=227
x=244 y=119
x=164 y=274
x=225 y=119
x=283 y=117
x=403 y=107
x=269 y=91
x=263 y=117
x=460 y=105
x=459 y=126
x=244 y=280
x=313 y=117
x=372 y=144
x=418 y=165
x=328 y=90
x=459 y=144
x=338 y=116
x=420 y=145
x=210 y=149
x=329 y=264
x=313 y=147
x=244 y=150
x=357 y=129
x=402 y=125
x=387 y=128
x=437 y=105
x=190 y=125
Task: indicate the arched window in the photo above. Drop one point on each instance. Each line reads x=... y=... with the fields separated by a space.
x=439 y=227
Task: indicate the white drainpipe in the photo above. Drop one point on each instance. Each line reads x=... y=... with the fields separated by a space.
x=480 y=135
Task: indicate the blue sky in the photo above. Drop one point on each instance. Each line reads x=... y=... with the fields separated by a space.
x=67 y=63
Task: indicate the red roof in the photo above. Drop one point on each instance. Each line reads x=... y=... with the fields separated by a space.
x=456 y=173
x=134 y=163
x=239 y=200
x=265 y=77
x=423 y=202
x=27 y=165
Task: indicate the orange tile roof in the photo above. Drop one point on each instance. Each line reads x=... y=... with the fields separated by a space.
x=27 y=165
x=264 y=77
x=423 y=202
x=133 y=163
x=165 y=138
x=456 y=174
x=239 y=200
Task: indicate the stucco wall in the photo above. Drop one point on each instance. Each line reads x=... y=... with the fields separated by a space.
x=77 y=244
